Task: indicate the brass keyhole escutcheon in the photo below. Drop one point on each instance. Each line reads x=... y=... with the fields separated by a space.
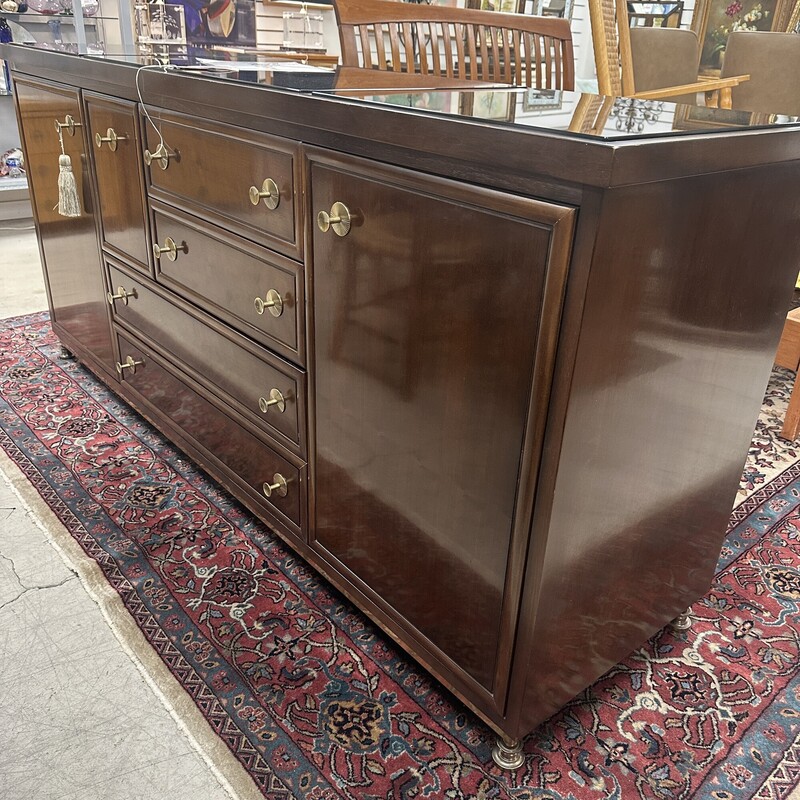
x=121 y=294
x=171 y=248
x=278 y=486
x=273 y=301
x=275 y=399
x=339 y=219
x=269 y=193
x=129 y=363
x=111 y=137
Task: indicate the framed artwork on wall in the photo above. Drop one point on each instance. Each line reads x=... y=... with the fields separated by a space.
x=715 y=20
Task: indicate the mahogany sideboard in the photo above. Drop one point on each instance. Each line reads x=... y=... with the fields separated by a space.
x=494 y=379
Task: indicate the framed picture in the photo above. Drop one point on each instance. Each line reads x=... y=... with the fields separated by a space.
x=715 y=20
x=547 y=8
x=541 y=100
x=489 y=105
x=158 y=23
x=689 y=118
x=210 y=22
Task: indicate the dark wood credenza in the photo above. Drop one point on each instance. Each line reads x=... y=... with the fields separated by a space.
x=504 y=410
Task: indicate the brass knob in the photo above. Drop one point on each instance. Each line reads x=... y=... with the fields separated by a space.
x=68 y=123
x=170 y=248
x=111 y=137
x=120 y=295
x=269 y=193
x=273 y=301
x=129 y=363
x=275 y=399
x=278 y=486
x=338 y=219
x=160 y=155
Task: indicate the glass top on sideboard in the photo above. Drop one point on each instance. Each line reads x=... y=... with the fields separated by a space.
x=570 y=113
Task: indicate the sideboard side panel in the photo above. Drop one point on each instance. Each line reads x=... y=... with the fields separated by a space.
x=683 y=313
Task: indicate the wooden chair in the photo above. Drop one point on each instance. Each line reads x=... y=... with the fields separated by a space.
x=611 y=36
x=456 y=43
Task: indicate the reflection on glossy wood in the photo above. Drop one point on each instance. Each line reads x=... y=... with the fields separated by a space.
x=213 y=170
x=248 y=458
x=119 y=178
x=659 y=417
x=228 y=364
x=425 y=333
x=224 y=274
x=71 y=257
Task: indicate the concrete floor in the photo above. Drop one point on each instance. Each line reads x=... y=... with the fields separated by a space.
x=77 y=719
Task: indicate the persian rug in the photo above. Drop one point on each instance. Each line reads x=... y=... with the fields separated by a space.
x=294 y=694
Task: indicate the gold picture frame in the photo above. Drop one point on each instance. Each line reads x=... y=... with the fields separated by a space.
x=714 y=20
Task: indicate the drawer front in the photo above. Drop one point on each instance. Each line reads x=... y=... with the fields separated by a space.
x=213 y=169
x=249 y=460
x=120 y=184
x=240 y=372
x=227 y=275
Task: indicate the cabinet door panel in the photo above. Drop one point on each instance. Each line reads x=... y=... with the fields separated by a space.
x=119 y=178
x=69 y=245
x=426 y=319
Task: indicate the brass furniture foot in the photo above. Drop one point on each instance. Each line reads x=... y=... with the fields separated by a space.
x=681 y=623
x=507 y=753
x=65 y=354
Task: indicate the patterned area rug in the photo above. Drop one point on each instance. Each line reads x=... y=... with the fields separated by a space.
x=314 y=703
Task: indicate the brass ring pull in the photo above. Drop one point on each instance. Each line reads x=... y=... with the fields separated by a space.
x=160 y=155
x=170 y=248
x=275 y=399
x=339 y=219
x=112 y=137
x=278 y=485
x=68 y=123
x=129 y=363
x=273 y=301
x=120 y=295
x=269 y=193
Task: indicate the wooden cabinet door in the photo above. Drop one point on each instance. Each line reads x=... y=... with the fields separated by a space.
x=120 y=180
x=69 y=245
x=434 y=319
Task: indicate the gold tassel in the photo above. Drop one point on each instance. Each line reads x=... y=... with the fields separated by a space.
x=69 y=201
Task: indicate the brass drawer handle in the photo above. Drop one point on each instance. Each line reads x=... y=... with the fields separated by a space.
x=275 y=399
x=278 y=485
x=111 y=137
x=129 y=363
x=269 y=193
x=170 y=248
x=68 y=123
x=160 y=155
x=338 y=219
x=273 y=301
x=121 y=294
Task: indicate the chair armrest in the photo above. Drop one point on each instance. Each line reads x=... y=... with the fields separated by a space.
x=709 y=86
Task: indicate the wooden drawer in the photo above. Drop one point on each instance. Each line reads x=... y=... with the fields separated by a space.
x=229 y=365
x=225 y=275
x=120 y=184
x=212 y=171
x=223 y=441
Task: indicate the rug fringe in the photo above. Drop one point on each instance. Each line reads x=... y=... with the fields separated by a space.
x=230 y=774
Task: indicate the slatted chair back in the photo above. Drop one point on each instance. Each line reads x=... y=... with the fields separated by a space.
x=459 y=43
